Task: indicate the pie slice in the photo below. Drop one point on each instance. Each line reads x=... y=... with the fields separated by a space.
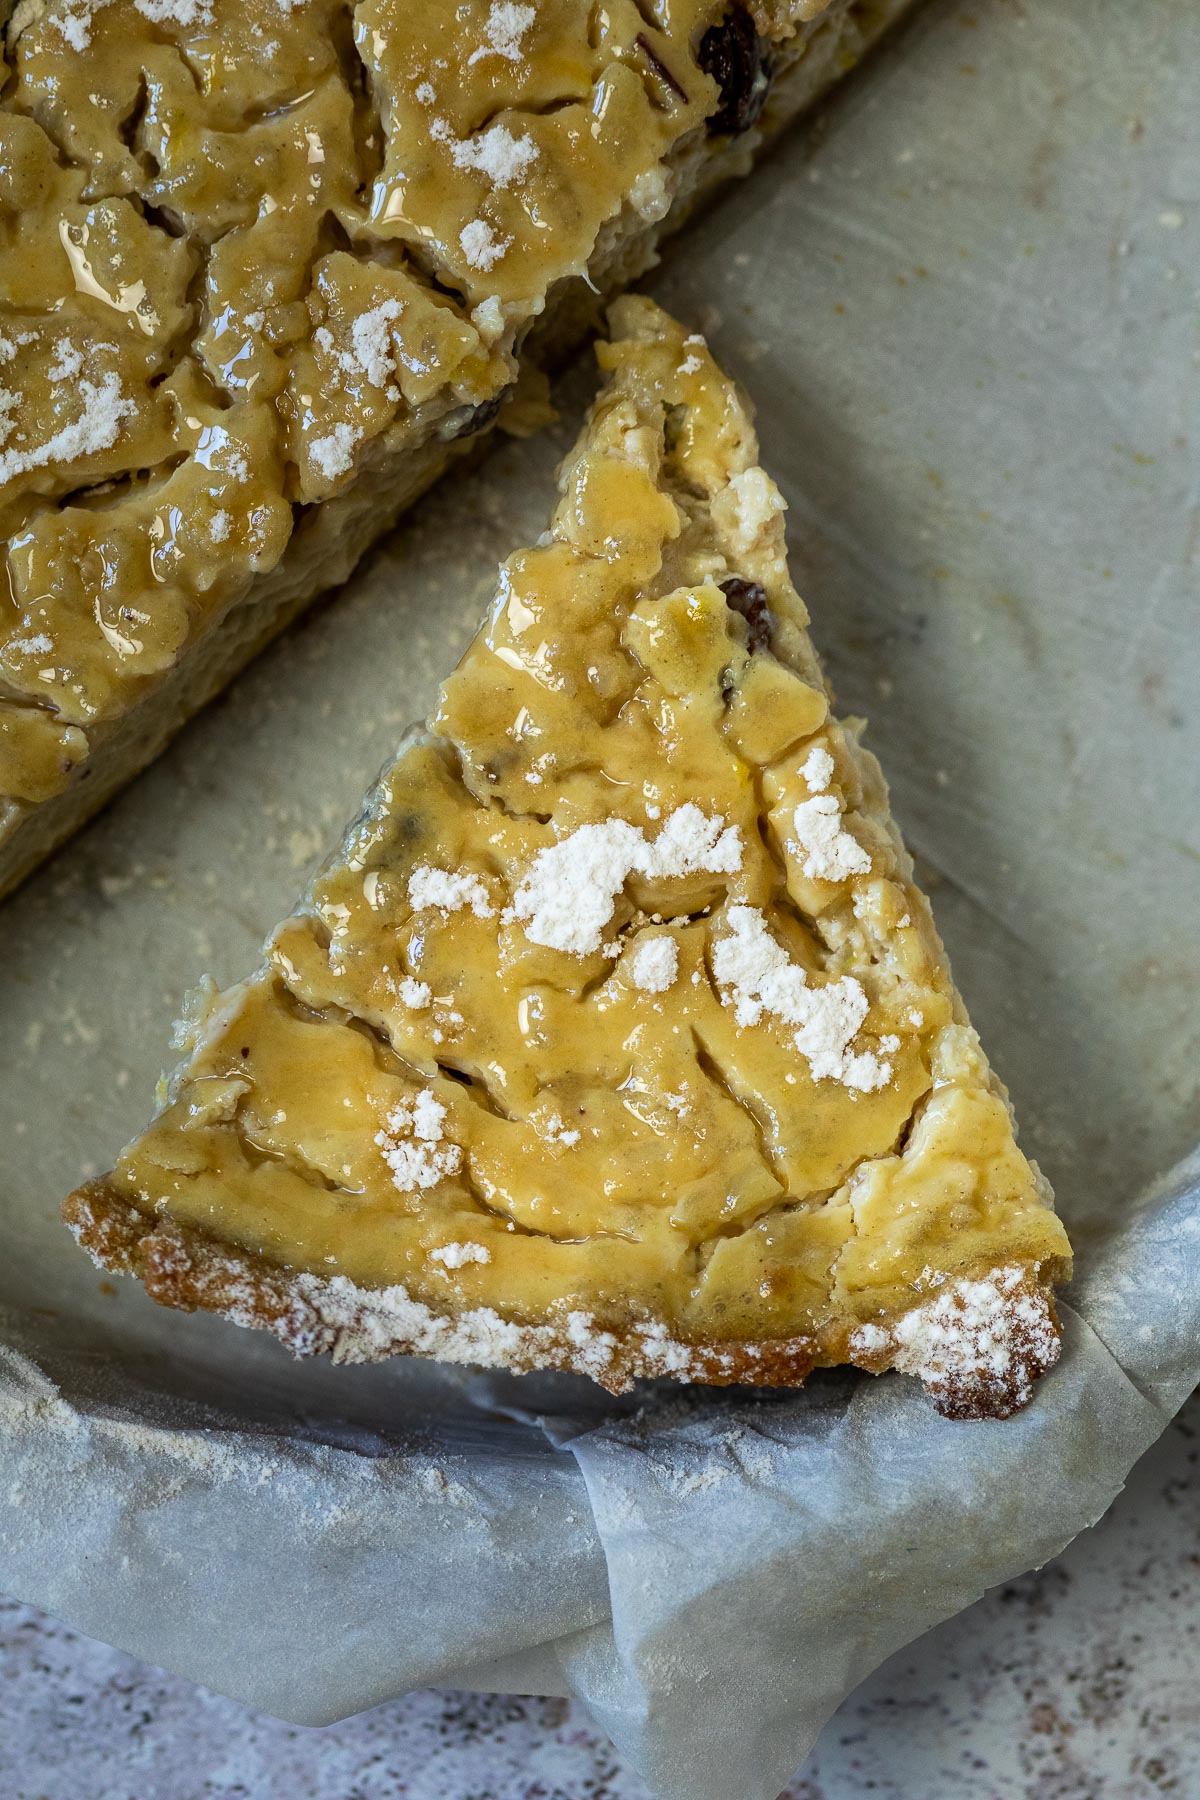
x=616 y=1036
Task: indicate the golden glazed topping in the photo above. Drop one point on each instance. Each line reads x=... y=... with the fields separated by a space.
x=248 y=248
x=618 y=1003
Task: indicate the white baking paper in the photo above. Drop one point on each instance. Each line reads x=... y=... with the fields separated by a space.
x=764 y=1556
x=966 y=308
x=710 y=1574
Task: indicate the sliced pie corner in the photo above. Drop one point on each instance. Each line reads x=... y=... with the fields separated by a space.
x=616 y=1036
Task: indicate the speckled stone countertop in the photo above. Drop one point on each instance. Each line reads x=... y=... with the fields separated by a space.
x=1078 y=1683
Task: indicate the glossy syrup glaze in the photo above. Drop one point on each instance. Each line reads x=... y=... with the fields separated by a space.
x=249 y=248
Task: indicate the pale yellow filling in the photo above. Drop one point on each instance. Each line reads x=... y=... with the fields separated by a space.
x=243 y=258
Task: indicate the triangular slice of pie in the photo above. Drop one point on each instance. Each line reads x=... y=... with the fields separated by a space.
x=616 y=1036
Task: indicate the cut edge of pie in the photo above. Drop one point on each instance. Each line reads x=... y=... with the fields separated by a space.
x=814 y=43
x=852 y=1194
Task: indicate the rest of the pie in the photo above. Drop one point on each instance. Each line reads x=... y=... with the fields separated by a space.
x=616 y=1036
x=264 y=267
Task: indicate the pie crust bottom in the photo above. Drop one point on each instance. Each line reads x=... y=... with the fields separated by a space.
x=315 y=1315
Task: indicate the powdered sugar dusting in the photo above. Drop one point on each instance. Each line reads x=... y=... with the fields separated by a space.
x=569 y=893
x=372 y=341
x=191 y=15
x=10 y=346
x=96 y=429
x=75 y=24
x=496 y=153
x=824 y=848
x=689 y=843
x=413 y=1146
x=817 y=769
x=654 y=964
x=594 y=1349
x=73 y=18
x=762 y=978
x=870 y=1340
x=456 y=1256
x=978 y=1345
x=371 y=353
x=556 y=1132
x=448 y=890
x=506 y=25
x=369 y=1323
x=480 y=244
x=364 y=1325
x=317 y=1315
x=334 y=453
x=68 y=361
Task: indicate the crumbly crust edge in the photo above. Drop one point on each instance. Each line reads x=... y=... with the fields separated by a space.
x=313 y=1315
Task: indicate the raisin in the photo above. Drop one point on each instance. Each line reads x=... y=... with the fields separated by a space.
x=739 y=62
x=750 y=599
x=479 y=417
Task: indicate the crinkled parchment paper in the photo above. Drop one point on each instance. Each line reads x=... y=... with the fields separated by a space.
x=966 y=306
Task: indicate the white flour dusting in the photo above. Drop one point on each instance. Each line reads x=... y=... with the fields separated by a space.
x=762 y=978
x=569 y=893
x=823 y=847
x=654 y=964
x=97 y=428
x=412 y=1143
x=456 y=1256
x=447 y=891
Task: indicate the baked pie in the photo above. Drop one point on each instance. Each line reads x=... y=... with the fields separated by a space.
x=264 y=268
x=616 y=1036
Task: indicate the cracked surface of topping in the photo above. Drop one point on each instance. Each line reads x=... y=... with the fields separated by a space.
x=249 y=249
x=570 y=993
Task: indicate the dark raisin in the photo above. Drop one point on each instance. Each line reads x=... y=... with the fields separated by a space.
x=479 y=417
x=739 y=62
x=750 y=599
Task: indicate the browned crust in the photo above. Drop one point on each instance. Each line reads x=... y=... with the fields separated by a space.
x=192 y=1272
